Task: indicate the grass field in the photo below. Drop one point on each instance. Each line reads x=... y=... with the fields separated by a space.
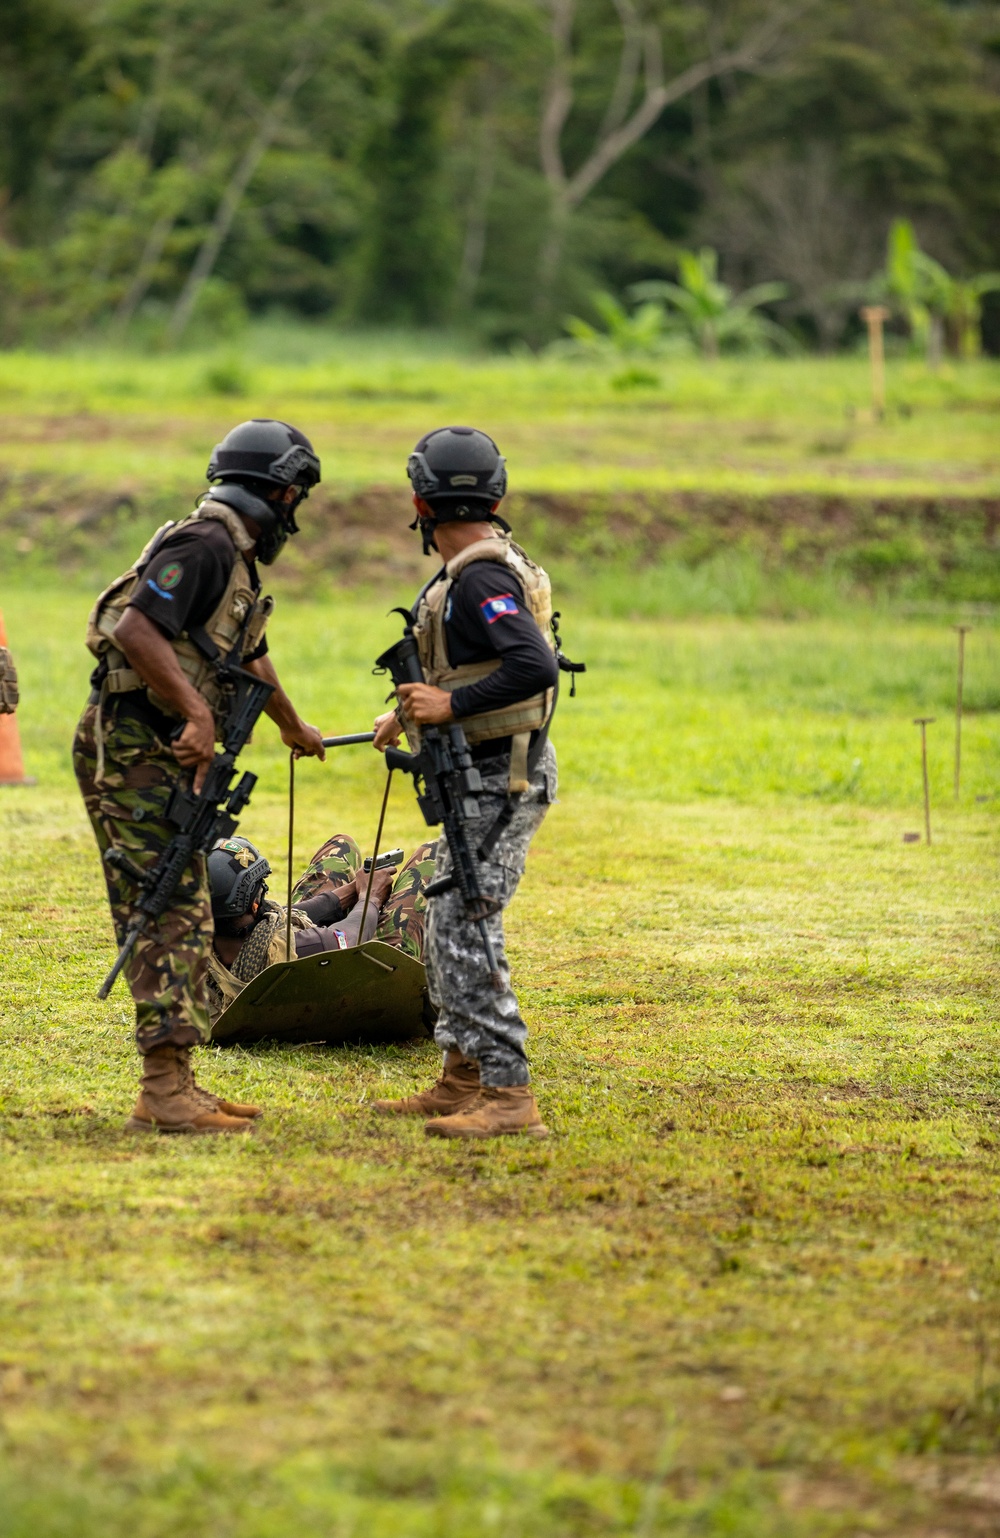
x=749 y=1287
x=143 y=423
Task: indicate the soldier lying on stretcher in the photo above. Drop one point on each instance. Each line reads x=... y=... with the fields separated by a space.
x=327 y=904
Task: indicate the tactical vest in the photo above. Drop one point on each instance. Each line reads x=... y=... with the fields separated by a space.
x=239 y=619
x=516 y=721
x=266 y=947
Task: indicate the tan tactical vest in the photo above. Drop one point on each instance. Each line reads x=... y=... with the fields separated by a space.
x=225 y=986
x=516 y=721
x=224 y=627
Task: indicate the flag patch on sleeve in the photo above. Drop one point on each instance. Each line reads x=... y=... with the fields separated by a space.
x=502 y=604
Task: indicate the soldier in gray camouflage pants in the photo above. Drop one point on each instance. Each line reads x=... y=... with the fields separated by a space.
x=485 y=1026
x=484 y=635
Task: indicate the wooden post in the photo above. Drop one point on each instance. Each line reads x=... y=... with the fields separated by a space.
x=875 y=317
x=962 y=631
x=924 y=722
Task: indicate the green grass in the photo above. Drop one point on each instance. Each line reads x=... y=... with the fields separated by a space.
x=750 y=1285
x=741 y=487
x=144 y=422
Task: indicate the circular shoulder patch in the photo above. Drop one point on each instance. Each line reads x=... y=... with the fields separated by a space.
x=168 y=576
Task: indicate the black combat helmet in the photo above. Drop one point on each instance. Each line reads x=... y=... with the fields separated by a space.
x=250 y=462
x=237 y=873
x=461 y=474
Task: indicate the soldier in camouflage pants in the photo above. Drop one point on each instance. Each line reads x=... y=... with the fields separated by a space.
x=127 y=809
x=165 y=635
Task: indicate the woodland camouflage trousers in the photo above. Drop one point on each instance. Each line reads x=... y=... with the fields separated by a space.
x=401 y=922
x=127 y=810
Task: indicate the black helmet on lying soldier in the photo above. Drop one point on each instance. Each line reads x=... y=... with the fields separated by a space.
x=460 y=475
x=254 y=467
x=237 y=879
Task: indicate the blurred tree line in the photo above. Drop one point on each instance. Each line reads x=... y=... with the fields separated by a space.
x=480 y=163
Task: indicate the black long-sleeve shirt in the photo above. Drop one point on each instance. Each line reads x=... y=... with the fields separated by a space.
x=334 y=930
x=485 y=617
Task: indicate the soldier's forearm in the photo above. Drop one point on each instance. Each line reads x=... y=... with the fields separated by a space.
x=325 y=937
x=352 y=923
x=279 y=707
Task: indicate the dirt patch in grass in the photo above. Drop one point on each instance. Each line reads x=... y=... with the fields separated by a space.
x=921 y=548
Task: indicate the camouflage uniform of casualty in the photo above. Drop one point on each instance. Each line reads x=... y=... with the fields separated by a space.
x=401 y=921
x=127 y=809
x=484 y=1025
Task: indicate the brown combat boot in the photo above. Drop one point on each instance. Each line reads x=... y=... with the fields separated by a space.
x=213 y=1102
x=166 y=1102
x=457 y=1088
x=495 y=1111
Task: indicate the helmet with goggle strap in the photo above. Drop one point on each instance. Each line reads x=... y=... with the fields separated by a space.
x=252 y=460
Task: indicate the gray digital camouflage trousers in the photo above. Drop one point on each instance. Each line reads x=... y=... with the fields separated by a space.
x=484 y=1025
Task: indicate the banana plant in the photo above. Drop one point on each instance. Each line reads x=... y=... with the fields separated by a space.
x=940 y=310
x=641 y=334
x=708 y=311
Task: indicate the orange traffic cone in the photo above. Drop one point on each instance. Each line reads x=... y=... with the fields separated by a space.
x=11 y=762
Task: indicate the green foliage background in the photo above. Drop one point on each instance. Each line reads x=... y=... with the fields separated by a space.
x=404 y=181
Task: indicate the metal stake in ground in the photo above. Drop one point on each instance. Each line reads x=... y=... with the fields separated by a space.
x=963 y=631
x=289 y=953
x=924 y=722
x=875 y=317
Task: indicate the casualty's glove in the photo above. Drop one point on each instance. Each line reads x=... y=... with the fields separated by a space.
x=9 y=694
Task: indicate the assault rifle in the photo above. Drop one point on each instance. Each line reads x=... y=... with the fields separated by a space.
x=201 y=820
x=450 y=782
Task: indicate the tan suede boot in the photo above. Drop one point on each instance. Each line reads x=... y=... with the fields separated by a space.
x=495 y=1111
x=167 y=1104
x=457 y=1087
x=214 y=1103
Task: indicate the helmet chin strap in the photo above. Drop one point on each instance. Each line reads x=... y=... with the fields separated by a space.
x=276 y=520
x=427 y=524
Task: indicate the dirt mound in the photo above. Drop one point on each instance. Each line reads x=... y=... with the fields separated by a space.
x=366 y=537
